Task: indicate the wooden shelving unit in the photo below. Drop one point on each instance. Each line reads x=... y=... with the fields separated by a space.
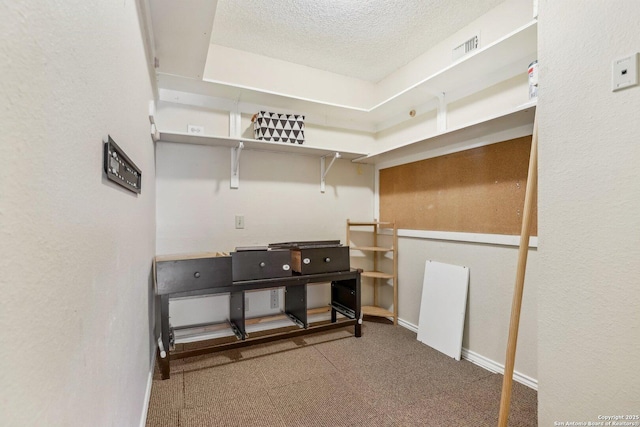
x=378 y=277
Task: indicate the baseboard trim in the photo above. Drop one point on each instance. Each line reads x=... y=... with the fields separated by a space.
x=493 y=366
x=407 y=325
x=147 y=396
x=482 y=361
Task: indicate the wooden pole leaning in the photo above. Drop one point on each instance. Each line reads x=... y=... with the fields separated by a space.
x=516 y=305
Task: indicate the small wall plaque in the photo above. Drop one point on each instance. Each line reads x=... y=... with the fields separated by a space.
x=119 y=167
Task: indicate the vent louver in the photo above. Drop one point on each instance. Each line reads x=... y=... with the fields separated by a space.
x=466 y=47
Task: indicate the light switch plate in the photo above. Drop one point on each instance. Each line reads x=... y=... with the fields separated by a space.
x=625 y=72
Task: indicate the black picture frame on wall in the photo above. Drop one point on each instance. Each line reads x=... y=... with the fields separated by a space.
x=120 y=168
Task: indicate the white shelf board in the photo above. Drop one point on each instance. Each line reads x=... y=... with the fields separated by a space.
x=504 y=58
x=506 y=51
x=519 y=116
x=371 y=249
x=457 y=236
x=254 y=144
x=251 y=100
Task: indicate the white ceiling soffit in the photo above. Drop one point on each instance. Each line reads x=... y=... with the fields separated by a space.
x=182 y=33
x=364 y=39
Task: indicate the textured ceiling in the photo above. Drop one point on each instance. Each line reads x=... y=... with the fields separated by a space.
x=365 y=39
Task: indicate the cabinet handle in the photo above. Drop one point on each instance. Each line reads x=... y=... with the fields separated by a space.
x=286 y=267
x=306 y=261
x=262 y=264
x=327 y=259
x=196 y=275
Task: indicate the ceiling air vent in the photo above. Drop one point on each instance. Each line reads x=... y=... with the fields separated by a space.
x=466 y=47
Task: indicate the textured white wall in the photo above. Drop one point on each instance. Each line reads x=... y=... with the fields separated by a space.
x=492 y=276
x=176 y=117
x=414 y=129
x=494 y=100
x=279 y=196
x=75 y=251
x=589 y=199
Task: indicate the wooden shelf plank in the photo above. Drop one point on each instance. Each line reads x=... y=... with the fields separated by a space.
x=371 y=310
x=371 y=249
x=377 y=274
x=380 y=224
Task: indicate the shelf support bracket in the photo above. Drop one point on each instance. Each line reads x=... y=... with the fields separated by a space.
x=323 y=171
x=442 y=112
x=155 y=134
x=235 y=126
x=235 y=165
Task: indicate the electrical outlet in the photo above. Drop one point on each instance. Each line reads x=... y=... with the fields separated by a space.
x=239 y=221
x=625 y=72
x=195 y=130
x=275 y=303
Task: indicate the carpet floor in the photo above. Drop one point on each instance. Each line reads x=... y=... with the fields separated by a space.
x=385 y=378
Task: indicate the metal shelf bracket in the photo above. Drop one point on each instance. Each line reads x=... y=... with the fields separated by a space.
x=235 y=165
x=235 y=125
x=323 y=171
x=442 y=113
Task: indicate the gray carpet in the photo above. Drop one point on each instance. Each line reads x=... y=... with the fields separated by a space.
x=386 y=378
